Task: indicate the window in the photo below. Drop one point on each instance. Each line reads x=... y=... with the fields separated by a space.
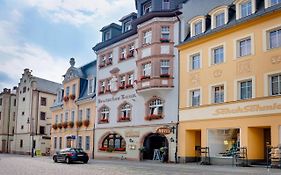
x=103 y=60
x=109 y=58
x=165 y=32
x=67 y=91
x=275 y=84
x=24 y=90
x=246 y=8
x=55 y=142
x=72 y=116
x=166 y=4
x=104 y=114
x=115 y=142
x=90 y=86
x=274 y=2
x=42 y=115
x=218 y=94
x=57 y=119
x=220 y=19
x=87 y=143
x=218 y=55
x=21 y=127
x=122 y=80
x=22 y=113
x=43 y=101
x=23 y=99
x=15 y=102
x=79 y=141
x=164 y=67
x=80 y=115
x=21 y=143
x=102 y=86
x=88 y=113
x=244 y=47
x=42 y=130
x=147 y=69
x=156 y=107
x=73 y=89
x=60 y=142
x=127 y=26
x=147 y=37
x=131 y=79
x=0 y=101
x=107 y=35
x=147 y=8
x=61 y=116
x=275 y=39
x=66 y=117
x=123 y=53
x=131 y=50
x=245 y=89
x=195 y=62
x=108 y=83
x=195 y=97
x=125 y=110
x=14 y=116
x=198 y=28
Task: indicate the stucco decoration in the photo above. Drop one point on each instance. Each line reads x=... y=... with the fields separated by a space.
x=244 y=67
x=217 y=73
x=72 y=72
x=195 y=79
x=276 y=60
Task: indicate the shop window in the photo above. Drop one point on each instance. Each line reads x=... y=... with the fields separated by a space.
x=104 y=115
x=113 y=142
x=275 y=84
x=43 y=101
x=245 y=89
x=125 y=112
x=195 y=97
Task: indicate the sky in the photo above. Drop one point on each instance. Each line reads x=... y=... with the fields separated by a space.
x=43 y=35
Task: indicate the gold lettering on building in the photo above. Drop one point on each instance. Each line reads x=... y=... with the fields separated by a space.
x=131 y=133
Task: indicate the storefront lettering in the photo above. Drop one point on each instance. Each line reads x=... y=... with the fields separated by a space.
x=132 y=134
x=249 y=108
x=163 y=130
x=121 y=97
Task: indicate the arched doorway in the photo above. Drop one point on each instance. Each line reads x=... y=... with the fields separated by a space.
x=153 y=141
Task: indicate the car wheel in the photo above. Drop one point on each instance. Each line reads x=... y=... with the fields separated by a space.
x=85 y=161
x=55 y=159
x=67 y=160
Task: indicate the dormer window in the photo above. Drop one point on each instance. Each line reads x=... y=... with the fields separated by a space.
x=244 y=8
x=219 y=16
x=198 y=28
x=107 y=35
x=127 y=26
x=269 y=3
x=197 y=25
x=166 y=4
x=147 y=7
x=220 y=20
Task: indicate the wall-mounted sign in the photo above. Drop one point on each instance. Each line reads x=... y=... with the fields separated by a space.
x=121 y=97
x=164 y=130
x=131 y=133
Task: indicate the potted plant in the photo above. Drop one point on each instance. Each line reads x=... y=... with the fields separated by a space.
x=104 y=120
x=66 y=98
x=129 y=86
x=86 y=123
x=72 y=96
x=101 y=65
x=144 y=77
x=120 y=149
x=71 y=124
x=60 y=125
x=55 y=126
x=64 y=125
x=110 y=149
x=103 y=148
x=78 y=124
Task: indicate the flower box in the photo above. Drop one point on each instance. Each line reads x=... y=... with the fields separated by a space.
x=78 y=124
x=101 y=92
x=60 y=125
x=164 y=40
x=153 y=117
x=104 y=120
x=122 y=58
x=103 y=149
x=64 y=125
x=55 y=126
x=144 y=77
x=107 y=91
x=72 y=96
x=130 y=55
x=101 y=65
x=120 y=149
x=70 y=124
x=86 y=123
x=121 y=87
x=129 y=86
x=109 y=63
x=124 y=119
x=164 y=75
x=66 y=98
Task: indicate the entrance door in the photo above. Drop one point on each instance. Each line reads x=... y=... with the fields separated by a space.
x=4 y=146
x=152 y=142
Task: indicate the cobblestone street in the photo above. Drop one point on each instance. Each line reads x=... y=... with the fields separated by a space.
x=25 y=165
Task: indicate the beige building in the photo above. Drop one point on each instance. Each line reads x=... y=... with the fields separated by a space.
x=8 y=105
x=230 y=82
x=33 y=117
x=73 y=113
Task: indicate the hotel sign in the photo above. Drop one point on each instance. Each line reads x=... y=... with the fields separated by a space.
x=118 y=98
x=164 y=130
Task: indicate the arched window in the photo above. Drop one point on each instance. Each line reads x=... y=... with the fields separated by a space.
x=104 y=114
x=113 y=142
x=125 y=112
x=156 y=107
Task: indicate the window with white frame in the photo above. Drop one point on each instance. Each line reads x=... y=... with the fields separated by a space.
x=274 y=38
x=165 y=4
x=90 y=86
x=87 y=143
x=88 y=113
x=79 y=141
x=80 y=115
x=244 y=47
x=131 y=79
x=147 y=7
x=246 y=8
x=147 y=36
x=195 y=62
x=218 y=94
x=74 y=89
x=220 y=19
x=131 y=49
x=104 y=113
x=165 y=32
x=274 y=2
x=245 y=89
x=127 y=26
x=125 y=111
x=103 y=60
x=67 y=91
x=109 y=58
x=102 y=86
x=195 y=97
x=61 y=116
x=123 y=52
x=218 y=55
x=66 y=117
x=122 y=80
x=107 y=35
x=108 y=83
x=198 y=28
x=57 y=118
x=164 y=67
x=55 y=142
x=156 y=107
x=275 y=84
x=72 y=116
x=147 y=69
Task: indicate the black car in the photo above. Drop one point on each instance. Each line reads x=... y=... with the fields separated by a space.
x=69 y=155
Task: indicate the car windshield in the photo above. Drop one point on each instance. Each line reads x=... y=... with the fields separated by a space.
x=78 y=150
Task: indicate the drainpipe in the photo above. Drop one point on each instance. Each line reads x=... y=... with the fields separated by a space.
x=9 y=115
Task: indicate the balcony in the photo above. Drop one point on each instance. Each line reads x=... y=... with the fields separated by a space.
x=164 y=82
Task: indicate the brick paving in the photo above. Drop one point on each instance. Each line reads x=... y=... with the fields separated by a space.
x=25 y=165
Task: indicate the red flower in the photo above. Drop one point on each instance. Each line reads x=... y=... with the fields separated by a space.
x=66 y=98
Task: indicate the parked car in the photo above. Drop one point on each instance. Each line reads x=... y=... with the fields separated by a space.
x=69 y=155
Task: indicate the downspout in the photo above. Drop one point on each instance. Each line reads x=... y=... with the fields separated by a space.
x=9 y=115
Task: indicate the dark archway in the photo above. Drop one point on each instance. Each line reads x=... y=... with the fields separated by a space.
x=154 y=141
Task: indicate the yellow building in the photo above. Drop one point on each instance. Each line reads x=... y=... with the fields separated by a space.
x=74 y=110
x=230 y=82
